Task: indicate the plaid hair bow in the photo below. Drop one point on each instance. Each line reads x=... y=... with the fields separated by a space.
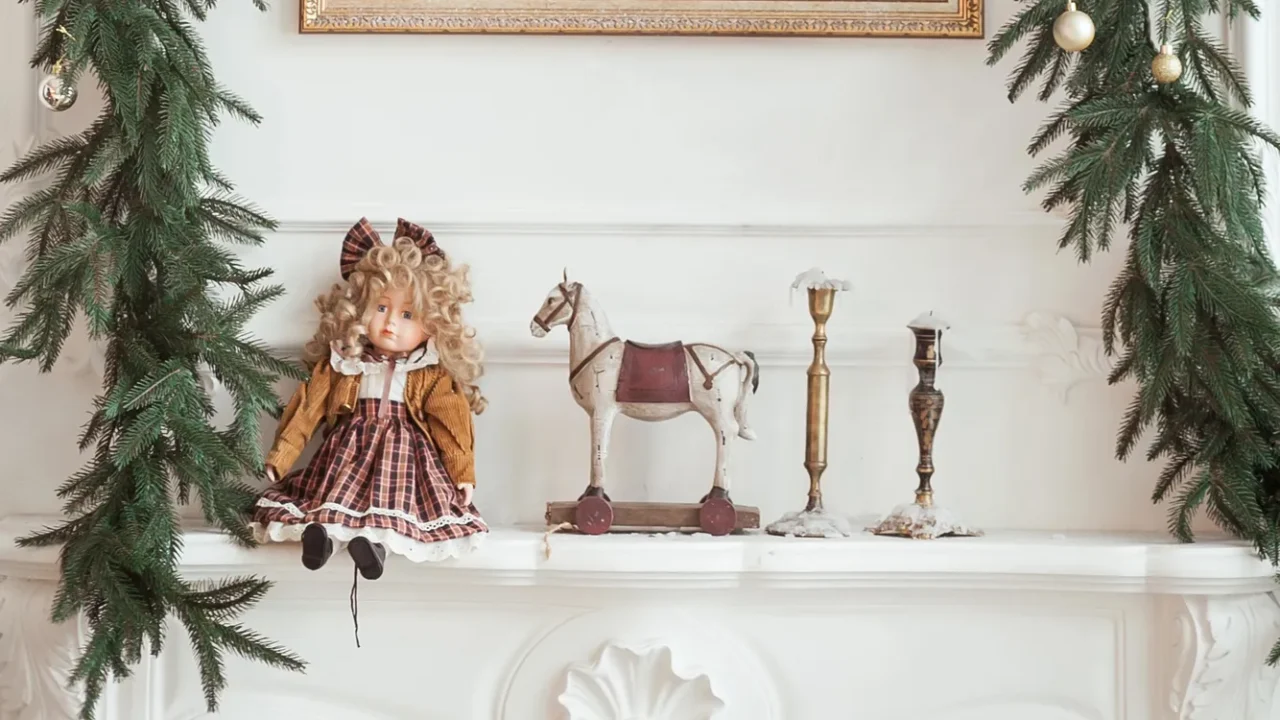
x=362 y=238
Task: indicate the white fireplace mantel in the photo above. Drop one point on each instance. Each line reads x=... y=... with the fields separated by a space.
x=998 y=561
x=534 y=626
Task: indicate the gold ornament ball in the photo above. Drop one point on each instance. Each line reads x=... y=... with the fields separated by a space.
x=1166 y=67
x=1073 y=30
x=56 y=94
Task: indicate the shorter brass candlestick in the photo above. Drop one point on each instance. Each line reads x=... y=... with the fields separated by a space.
x=922 y=519
x=814 y=521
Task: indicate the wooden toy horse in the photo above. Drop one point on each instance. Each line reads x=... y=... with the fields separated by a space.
x=609 y=376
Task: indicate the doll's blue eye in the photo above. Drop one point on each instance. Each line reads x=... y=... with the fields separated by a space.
x=382 y=308
x=407 y=315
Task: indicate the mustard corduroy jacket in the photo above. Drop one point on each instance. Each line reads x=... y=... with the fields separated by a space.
x=433 y=400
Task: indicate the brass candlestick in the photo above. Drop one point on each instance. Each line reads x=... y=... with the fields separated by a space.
x=922 y=519
x=813 y=521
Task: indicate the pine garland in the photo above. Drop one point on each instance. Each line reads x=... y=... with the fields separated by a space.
x=1192 y=315
x=129 y=231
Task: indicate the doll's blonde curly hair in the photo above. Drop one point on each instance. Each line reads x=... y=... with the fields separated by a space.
x=438 y=291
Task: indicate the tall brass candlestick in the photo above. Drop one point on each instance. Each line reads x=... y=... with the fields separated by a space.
x=926 y=403
x=821 y=302
x=814 y=521
x=922 y=519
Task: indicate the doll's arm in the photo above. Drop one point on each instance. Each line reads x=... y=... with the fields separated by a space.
x=300 y=419
x=449 y=420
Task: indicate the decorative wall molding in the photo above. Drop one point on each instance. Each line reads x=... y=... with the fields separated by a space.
x=1067 y=355
x=507 y=339
x=637 y=683
x=1009 y=225
x=1220 y=645
x=1038 y=708
x=1064 y=354
x=36 y=657
x=248 y=703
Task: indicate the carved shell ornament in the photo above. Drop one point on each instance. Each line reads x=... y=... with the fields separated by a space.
x=1066 y=358
x=36 y=656
x=637 y=684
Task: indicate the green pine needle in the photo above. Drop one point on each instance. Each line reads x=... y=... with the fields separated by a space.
x=1192 y=316
x=129 y=229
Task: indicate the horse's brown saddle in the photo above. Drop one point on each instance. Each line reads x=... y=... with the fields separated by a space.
x=653 y=373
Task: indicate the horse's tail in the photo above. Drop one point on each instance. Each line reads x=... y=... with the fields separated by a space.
x=750 y=384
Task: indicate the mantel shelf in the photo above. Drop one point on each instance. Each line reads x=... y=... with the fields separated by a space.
x=517 y=556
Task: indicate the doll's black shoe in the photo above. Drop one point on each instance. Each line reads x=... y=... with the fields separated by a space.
x=370 y=557
x=317 y=546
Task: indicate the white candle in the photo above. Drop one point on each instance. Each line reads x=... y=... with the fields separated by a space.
x=929 y=321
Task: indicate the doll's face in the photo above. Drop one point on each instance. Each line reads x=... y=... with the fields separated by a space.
x=395 y=327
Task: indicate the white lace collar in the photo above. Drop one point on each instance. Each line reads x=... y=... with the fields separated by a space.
x=416 y=360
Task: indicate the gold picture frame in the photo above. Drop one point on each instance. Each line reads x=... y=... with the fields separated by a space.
x=844 y=18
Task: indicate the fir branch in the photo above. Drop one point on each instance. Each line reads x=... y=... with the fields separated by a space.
x=1035 y=62
x=1184 y=508
x=128 y=230
x=44 y=159
x=1192 y=314
x=1224 y=71
x=1050 y=131
x=1235 y=7
x=1039 y=14
x=27 y=211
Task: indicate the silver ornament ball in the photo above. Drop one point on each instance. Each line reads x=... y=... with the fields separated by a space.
x=1073 y=30
x=57 y=94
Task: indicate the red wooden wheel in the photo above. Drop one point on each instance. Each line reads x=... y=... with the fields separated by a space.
x=593 y=516
x=717 y=516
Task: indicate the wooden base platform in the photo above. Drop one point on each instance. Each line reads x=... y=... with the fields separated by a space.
x=595 y=515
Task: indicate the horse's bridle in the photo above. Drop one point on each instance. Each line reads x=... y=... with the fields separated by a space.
x=567 y=297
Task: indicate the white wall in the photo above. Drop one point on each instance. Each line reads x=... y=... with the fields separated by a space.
x=686 y=181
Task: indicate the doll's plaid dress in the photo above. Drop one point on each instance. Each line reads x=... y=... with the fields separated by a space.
x=398 y=444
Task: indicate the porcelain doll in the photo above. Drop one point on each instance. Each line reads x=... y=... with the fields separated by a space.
x=392 y=383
